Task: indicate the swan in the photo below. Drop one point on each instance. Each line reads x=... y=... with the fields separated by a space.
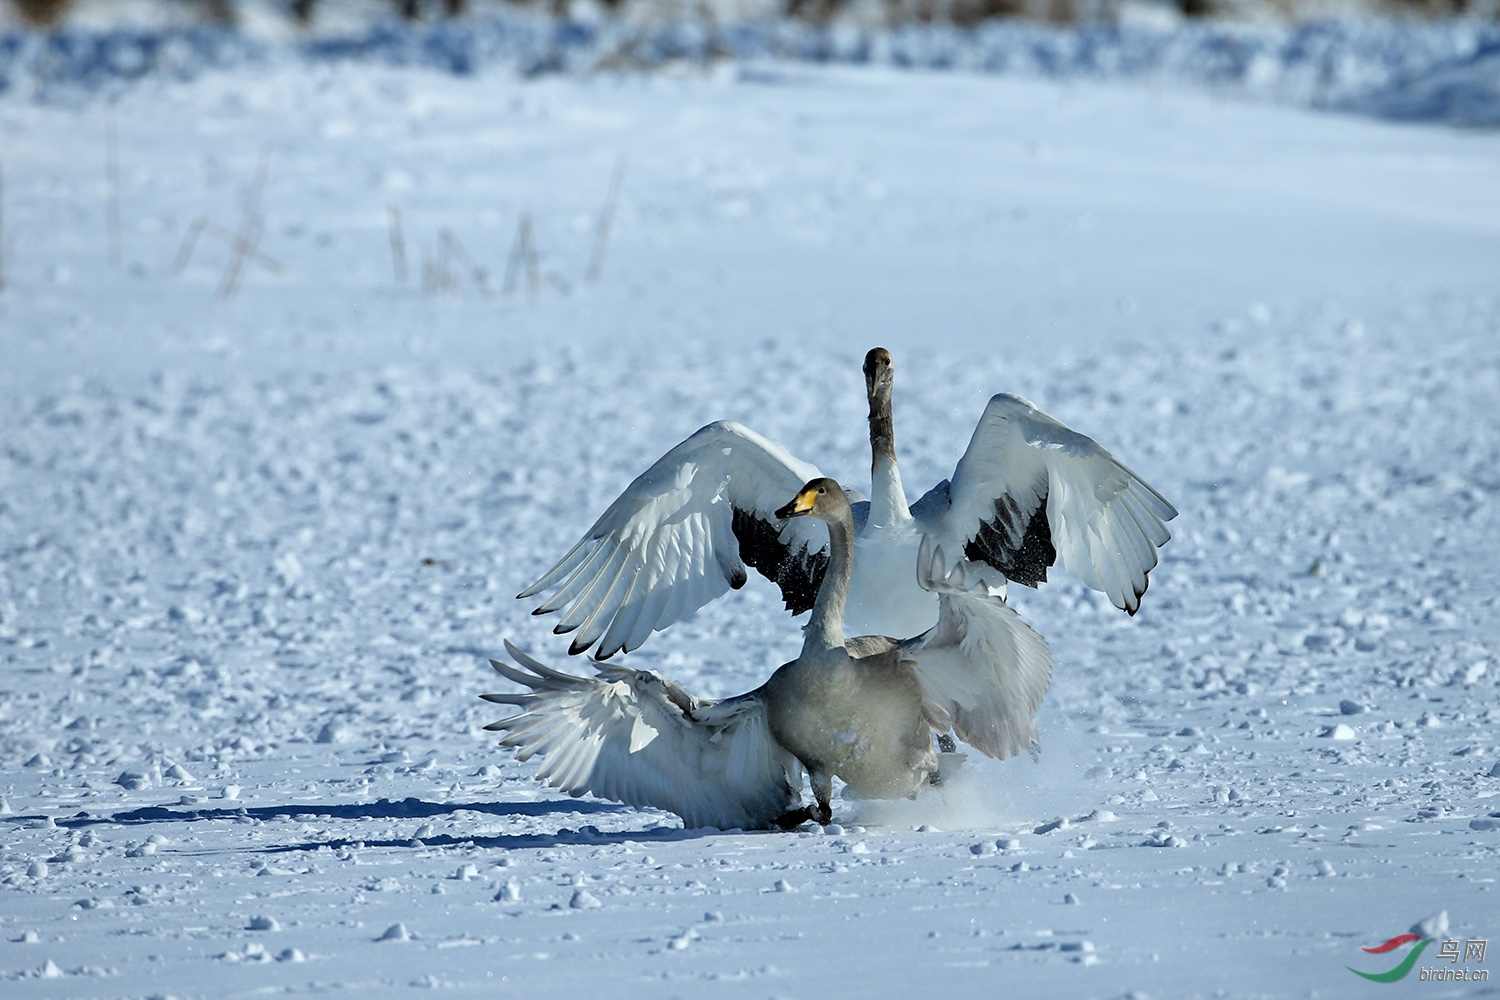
x=1028 y=492
x=863 y=710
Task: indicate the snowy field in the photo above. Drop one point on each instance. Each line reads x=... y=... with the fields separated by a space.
x=258 y=546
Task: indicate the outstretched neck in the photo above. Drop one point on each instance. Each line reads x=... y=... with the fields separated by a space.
x=887 y=497
x=825 y=630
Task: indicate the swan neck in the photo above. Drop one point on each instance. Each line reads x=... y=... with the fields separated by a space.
x=887 y=496
x=825 y=630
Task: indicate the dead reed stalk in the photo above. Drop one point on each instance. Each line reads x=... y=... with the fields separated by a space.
x=2 y=227
x=249 y=227
x=112 y=199
x=454 y=250
x=523 y=256
x=606 y=220
x=398 y=244
x=203 y=224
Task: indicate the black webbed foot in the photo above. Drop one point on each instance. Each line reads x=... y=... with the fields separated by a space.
x=945 y=744
x=793 y=818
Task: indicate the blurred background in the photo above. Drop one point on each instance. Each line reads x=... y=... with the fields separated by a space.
x=313 y=14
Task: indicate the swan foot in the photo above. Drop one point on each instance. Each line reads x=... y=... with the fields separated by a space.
x=945 y=744
x=793 y=818
x=822 y=789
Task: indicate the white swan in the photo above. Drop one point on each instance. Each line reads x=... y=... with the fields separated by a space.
x=862 y=710
x=1029 y=491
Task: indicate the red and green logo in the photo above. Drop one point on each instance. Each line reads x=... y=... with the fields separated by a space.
x=1405 y=965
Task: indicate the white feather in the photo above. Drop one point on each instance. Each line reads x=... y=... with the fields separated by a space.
x=981 y=668
x=625 y=735
x=666 y=546
x=1105 y=521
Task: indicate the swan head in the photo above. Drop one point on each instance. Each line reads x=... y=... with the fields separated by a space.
x=879 y=371
x=820 y=498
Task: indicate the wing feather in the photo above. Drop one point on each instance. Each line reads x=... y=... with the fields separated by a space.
x=1030 y=491
x=683 y=529
x=980 y=667
x=582 y=575
x=634 y=737
x=605 y=611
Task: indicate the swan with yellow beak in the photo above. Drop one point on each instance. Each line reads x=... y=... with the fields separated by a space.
x=863 y=710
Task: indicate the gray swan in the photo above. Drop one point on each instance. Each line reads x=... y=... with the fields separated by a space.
x=863 y=710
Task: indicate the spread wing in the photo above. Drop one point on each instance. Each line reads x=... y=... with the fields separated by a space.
x=632 y=736
x=1029 y=491
x=981 y=669
x=681 y=535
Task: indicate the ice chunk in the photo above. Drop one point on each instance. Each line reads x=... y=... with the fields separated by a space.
x=395 y=932
x=1162 y=838
x=333 y=732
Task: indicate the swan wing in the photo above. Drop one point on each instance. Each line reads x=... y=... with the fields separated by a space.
x=981 y=668
x=1030 y=491
x=632 y=736
x=681 y=535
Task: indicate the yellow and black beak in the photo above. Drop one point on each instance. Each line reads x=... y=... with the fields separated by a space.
x=801 y=504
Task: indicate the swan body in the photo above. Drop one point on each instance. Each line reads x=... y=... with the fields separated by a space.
x=863 y=710
x=884 y=596
x=857 y=718
x=1029 y=492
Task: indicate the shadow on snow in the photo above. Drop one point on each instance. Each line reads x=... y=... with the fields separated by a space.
x=409 y=808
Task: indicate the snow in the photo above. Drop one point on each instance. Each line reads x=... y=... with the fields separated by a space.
x=257 y=548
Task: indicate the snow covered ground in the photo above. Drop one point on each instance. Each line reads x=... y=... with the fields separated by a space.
x=257 y=548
